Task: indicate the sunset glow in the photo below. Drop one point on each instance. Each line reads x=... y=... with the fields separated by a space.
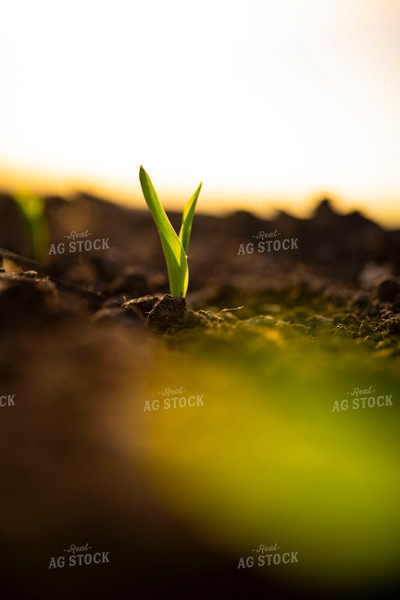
x=270 y=104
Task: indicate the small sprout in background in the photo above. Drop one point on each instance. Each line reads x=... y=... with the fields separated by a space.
x=175 y=247
x=32 y=211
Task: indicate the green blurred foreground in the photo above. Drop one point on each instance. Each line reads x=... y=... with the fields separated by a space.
x=263 y=458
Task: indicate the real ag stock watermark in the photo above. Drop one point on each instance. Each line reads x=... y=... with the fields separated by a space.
x=78 y=556
x=173 y=399
x=8 y=400
x=379 y=86
x=361 y=399
x=79 y=242
x=268 y=556
x=268 y=242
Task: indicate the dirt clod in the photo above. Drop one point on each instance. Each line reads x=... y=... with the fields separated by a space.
x=167 y=313
x=23 y=300
x=387 y=289
x=144 y=305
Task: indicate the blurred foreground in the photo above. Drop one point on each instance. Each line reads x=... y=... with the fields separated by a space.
x=268 y=453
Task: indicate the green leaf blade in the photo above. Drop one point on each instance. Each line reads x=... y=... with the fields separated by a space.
x=174 y=252
x=32 y=209
x=187 y=219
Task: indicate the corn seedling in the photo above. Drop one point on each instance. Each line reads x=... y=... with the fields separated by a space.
x=175 y=247
x=32 y=212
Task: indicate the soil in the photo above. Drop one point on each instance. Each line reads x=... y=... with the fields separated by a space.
x=341 y=279
x=84 y=337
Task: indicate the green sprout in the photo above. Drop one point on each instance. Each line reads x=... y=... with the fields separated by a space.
x=32 y=211
x=175 y=247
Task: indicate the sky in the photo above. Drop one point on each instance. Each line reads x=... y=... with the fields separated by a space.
x=270 y=104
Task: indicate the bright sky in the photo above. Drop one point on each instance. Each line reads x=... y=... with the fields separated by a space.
x=267 y=102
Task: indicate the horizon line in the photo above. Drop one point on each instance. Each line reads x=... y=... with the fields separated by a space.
x=385 y=212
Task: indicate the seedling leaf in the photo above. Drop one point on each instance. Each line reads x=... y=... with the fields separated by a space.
x=174 y=252
x=187 y=219
x=32 y=212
